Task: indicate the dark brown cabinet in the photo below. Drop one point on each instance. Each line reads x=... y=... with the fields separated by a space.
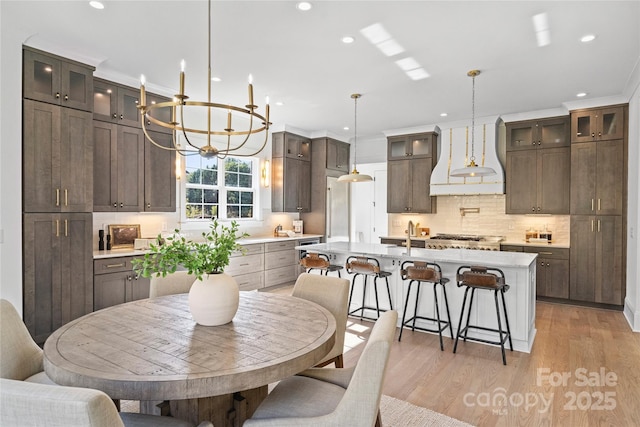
x=415 y=145
x=542 y=133
x=552 y=272
x=597 y=259
x=291 y=173
x=115 y=103
x=118 y=168
x=58 y=270
x=57 y=149
x=600 y=124
x=54 y=80
x=538 y=181
x=411 y=159
x=597 y=178
x=159 y=174
x=115 y=282
x=337 y=155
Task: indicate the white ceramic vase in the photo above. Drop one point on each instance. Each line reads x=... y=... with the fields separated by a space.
x=214 y=299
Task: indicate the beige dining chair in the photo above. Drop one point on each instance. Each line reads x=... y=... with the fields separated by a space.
x=175 y=283
x=326 y=397
x=43 y=405
x=20 y=356
x=331 y=293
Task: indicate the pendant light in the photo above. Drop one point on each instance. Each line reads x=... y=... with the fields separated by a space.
x=472 y=170
x=355 y=176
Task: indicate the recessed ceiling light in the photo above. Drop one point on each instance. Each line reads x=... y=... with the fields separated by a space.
x=346 y=128
x=216 y=79
x=587 y=38
x=304 y=6
x=581 y=94
x=348 y=39
x=443 y=114
x=279 y=103
x=96 y=4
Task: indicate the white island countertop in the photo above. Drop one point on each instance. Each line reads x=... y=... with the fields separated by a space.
x=461 y=256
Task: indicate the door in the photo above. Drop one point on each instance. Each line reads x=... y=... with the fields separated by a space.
x=420 y=185
x=337 y=211
x=583 y=178
x=105 y=166
x=521 y=182
x=398 y=186
x=130 y=170
x=159 y=174
x=609 y=177
x=76 y=161
x=609 y=252
x=582 y=266
x=554 y=175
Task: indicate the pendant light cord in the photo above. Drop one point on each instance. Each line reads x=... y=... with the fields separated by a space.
x=473 y=116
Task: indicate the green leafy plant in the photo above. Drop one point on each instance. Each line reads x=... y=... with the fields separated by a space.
x=209 y=256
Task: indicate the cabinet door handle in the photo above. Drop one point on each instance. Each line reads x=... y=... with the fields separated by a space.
x=66 y=97
x=66 y=228
x=545 y=253
x=57 y=197
x=115 y=116
x=115 y=204
x=592 y=225
x=57 y=228
x=57 y=95
x=148 y=205
x=593 y=135
x=121 y=116
x=599 y=134
x=598 y=204
x=539 y=143
x=121 y=204
x=66 y=197
x=592 y=205
x=115 y=265
x=533 y=209
x=538 y=208
x=129 y=278
x=598 y=226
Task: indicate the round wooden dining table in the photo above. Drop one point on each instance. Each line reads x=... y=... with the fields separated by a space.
x=152 y=350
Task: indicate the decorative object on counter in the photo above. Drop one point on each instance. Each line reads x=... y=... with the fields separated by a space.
x=472 y=169
x=546 y=234
x=277 y=230
x=214 y=295
x=530 y=234
x=355 y=176
x=101 y=240
x=297 y=226
x=424 y=231
x=124 y=235
x=178 y=125
x=108 y=242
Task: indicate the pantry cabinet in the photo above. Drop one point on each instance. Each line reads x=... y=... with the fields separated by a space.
x=58 y=270
x=57 y=155
x=55 y=80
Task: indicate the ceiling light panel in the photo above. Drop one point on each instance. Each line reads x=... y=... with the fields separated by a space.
x=390 y=47
x=417 y=74
x=407 y=64
x=541 y=28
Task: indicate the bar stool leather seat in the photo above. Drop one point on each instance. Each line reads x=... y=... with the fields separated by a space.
x=420 y=272
x=483 y=278
x=315 y=261
x=367 y=267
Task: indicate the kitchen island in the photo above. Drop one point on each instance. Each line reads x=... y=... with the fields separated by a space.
x=519 y=269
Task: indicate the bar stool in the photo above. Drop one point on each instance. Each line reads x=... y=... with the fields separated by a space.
x=420 y=272
x=483 y=278
x=367 y=267
x=315 y=261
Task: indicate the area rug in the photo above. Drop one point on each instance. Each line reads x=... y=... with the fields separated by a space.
x=395 y=413
x=398 y=413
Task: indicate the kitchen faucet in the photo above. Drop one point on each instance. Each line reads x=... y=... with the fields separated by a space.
x=410 y=232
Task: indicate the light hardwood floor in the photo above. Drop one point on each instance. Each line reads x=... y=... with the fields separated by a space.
x=583 y=370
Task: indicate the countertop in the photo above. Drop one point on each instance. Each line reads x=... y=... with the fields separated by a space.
x=114 y=253
x=553 y=244
x=459 y=256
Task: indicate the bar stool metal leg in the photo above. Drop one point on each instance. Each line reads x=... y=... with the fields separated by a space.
x=404 y=314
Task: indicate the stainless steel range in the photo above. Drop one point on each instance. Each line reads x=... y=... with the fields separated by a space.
x=464 y=241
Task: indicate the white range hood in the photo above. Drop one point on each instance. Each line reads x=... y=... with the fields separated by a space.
x=455 y=152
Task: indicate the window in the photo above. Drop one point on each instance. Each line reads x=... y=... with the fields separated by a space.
x=222 y=188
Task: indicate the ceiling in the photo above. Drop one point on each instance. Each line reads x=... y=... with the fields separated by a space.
x=297 y=58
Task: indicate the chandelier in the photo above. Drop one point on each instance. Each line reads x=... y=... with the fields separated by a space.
x=355 y=176
x=235 y=138
x=472 y=169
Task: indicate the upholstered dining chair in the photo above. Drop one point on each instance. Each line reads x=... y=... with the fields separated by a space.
x=325 y=397
x=43 y=405
x=175 y=283
x=331 y=293
x=20 y=356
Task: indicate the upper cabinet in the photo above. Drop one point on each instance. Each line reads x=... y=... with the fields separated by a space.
x=56 y=80
x=291 y=173
x=411 y=159
x=57 y=155
x=599 y=124
x=337 y=155
x=417 y=145
x=115 y=103
x=538 y=166
x=541 y=133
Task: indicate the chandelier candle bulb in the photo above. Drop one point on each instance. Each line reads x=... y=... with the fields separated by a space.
x=182 y=65
x=228 y=121
x=143 y=96
x=266 y=106
x=250 y=92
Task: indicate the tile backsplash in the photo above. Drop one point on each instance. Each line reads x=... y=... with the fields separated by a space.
x=489 y=219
